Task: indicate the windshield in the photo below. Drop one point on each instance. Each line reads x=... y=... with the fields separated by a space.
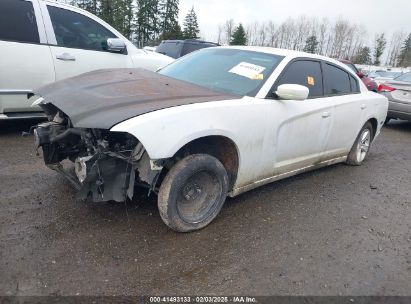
x=226 y=70
x=404 y=77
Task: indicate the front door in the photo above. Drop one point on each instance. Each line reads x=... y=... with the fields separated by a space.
x=81 y=43
x=25 y=58
x=300 y=128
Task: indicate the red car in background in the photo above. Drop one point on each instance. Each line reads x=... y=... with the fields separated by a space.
x=369 y=83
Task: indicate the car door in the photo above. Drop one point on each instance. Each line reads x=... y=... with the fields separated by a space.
x=79 y=42
x=343 y=93
x=300 y=128
x=25 y=58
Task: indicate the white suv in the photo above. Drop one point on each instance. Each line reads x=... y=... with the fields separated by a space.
x=44 y=41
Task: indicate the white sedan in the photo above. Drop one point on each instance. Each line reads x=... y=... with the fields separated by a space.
x=44 y=41
x=217 y=122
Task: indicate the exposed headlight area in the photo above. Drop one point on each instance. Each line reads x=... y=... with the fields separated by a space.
x=104 y=162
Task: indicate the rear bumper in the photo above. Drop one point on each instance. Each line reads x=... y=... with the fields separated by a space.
x=399 y=110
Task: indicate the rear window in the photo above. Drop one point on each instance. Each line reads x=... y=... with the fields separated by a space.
x=404 y=77
x=354 y=85
x=18 y=21
x=172 y=49
x=191 y=47
x=338 y=81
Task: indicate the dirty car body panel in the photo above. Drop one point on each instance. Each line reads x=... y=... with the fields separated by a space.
x=144 y=123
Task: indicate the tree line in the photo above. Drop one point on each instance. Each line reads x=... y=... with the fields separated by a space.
x=147 y=22
x=340 y=39
x=144 y=22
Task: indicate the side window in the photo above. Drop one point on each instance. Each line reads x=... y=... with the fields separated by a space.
x=354 y=85
x=73 y=30
x=338 y=81
x=18 y=21
x=307 y=73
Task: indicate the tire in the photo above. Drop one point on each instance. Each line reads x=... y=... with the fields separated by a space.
x=361 y=146
x=193 y=193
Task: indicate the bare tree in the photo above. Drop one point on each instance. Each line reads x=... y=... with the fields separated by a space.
x=228 y=29
x=271 y=32
x=394 y=48
x=220 y=30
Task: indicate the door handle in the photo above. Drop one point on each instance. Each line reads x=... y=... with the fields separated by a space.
x=66 y=57
x=363 y=106
x=325 y=114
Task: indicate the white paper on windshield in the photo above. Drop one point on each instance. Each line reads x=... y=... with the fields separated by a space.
x=248 y=70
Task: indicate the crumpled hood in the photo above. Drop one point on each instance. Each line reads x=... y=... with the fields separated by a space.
x=104 y=98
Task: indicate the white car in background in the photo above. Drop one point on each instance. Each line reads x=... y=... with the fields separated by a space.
x=45 y=41
x=217 y=122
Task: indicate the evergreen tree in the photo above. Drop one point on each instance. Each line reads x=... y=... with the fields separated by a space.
x=311 y=45
x=363 y=56
x=239 y=36
x=107 y=11
x=380 y=43
x=404 y=58
x=91 y=6
x=123 y=17
x=147 y=21
x=169 y=27
x=191 y=30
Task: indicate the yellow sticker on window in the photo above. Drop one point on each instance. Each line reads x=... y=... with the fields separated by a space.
x=258 y=77
x=310 y=80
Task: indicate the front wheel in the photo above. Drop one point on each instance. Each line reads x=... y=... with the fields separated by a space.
x=361 y=145
x=193 y=193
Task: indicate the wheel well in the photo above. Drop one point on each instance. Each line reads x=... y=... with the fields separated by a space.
x=374 y=124
x=222 y=148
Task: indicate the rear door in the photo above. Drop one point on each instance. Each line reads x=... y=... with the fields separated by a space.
x=25 y=58
x=343 y=93
x=79 y=42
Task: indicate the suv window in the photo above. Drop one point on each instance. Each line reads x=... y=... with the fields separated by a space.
x=18 y=21
x=338 y=80
x=191 y=47
x=74 y=30
x=307 y=73
x=172 y=48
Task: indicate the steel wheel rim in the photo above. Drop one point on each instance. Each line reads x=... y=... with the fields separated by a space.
x=198 y=196
x=363 y=145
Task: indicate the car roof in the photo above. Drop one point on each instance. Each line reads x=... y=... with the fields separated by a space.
x=191 y=41
x=286 y=53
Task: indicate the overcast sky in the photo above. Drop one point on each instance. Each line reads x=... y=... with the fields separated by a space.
x=376 y=15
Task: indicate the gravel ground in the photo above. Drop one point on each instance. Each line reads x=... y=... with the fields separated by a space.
x=336 y=231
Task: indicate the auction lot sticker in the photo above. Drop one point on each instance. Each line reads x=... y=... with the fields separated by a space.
x=248 y=70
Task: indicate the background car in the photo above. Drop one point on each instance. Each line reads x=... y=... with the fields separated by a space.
x=398 y=92
x=382 y=76
x=369 y=83
x=243 y=117
x=45 y=41
x=178 y=48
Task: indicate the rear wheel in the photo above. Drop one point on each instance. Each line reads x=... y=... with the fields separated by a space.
x=193 y=193
x=361 y=145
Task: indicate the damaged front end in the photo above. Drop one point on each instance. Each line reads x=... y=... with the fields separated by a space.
x=105 y=165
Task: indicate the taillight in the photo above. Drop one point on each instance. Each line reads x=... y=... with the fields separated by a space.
x=384 y=88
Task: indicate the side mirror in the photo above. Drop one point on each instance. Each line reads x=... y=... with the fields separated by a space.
x=292 y=92
x=360 y=74
x=116 y=45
